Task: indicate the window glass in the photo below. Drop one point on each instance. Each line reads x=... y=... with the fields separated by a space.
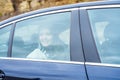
x=4 y=37
x=105 y=25
x=43 y=37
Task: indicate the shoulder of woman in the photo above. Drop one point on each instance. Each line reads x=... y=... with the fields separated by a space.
x=36 y=50
x=34 y=53
x=37 y=54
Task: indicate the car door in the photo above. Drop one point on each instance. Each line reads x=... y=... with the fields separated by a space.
x=45 y=46
x=101 y=43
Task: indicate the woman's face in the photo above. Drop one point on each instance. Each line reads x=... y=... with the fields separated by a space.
x=45 y=37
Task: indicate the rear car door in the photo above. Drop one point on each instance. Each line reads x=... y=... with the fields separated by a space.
x=44 y=46
x=101 y=43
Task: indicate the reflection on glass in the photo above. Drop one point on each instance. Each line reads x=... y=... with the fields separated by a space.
x=4 y=37
x=105 y=25
x=44 y=37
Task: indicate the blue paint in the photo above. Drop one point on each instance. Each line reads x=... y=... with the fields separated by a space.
x=103 y=73
x=43 y=70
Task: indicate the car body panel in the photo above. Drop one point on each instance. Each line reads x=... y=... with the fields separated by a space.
x=45 y=70
x=102 y=72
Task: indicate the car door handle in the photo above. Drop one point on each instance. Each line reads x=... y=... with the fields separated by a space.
x=2 y=75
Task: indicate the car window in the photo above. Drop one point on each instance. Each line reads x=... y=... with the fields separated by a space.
x=4 y=37
x=105 y=24
x=44 y=37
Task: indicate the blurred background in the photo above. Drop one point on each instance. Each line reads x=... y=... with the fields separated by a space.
x=9 y=8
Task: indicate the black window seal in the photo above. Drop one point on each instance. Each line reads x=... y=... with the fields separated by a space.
x=9 y=54
x=89 y=46
x=75 y=38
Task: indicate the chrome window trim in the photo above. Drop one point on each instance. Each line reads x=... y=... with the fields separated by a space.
x=36 y=60
x=10 y=23
x=45 y=13
x=39 y=14
x=101 y=6
x=102 y=64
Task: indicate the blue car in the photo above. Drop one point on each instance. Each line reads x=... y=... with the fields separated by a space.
x=72 y=42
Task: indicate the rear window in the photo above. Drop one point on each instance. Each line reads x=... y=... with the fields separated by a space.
x=105 y=24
